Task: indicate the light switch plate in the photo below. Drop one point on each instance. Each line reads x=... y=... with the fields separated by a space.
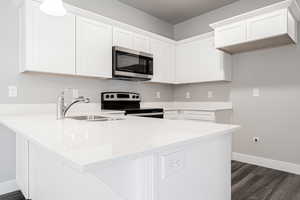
x=173 y=163
x=210 y=94
x=12 y=91
x=256 y=92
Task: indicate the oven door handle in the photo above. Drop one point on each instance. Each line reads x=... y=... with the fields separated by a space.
x=146 y=114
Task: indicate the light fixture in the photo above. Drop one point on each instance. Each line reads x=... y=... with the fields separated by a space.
x=53 y=7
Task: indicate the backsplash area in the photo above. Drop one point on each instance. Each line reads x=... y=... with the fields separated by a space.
x=42 y=88
x=203 y=92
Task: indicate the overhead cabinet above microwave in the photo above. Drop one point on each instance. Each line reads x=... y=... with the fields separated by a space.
x=271 y=26
x=130 y=40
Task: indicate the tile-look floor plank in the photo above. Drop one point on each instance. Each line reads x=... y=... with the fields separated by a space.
x=250 y=182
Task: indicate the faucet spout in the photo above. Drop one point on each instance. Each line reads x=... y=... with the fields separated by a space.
x=77 y=100
x=62 y=109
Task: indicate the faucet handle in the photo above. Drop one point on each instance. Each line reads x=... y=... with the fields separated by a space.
x=82 y=98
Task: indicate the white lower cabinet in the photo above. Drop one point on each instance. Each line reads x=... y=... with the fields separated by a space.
x=190 y=115
x=93 y=48
x=22 y=165
x=218 y=116
x=164 y=61
x=47 y=42
x=197 y=60
x=149 y=176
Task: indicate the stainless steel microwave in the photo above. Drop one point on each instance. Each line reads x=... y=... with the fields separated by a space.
x=132 y=65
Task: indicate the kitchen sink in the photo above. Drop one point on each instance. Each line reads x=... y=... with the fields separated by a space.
x=94 y=118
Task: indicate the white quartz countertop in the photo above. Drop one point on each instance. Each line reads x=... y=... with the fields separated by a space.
x=190 y=106
x=83 y=144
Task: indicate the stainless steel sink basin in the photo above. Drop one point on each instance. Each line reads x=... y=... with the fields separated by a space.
x=94 y=118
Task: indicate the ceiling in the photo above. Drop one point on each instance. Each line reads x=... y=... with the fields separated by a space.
x=176 y=11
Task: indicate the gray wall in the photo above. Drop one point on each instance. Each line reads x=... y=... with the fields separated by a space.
x=275 y=115
x=41 y=88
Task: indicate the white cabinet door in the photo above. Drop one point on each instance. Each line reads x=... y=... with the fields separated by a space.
x=198 y=61
x=230 y=34
x=164 y=61
x=22 y=165
x=93 y=50
x=266 y=26
x=141 y=43
x=130 y=40
x=53 y=42
x=123 y=38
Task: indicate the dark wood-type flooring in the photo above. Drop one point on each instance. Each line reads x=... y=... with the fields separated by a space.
x=249 y=182
x=13 y=196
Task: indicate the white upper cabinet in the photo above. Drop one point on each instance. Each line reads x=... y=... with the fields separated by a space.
x=141 y=43
x=94 y=48
x=268 y=25
x=271 y=26
x=130 y=40
x=164 y=61
x=123 y=38
x=230 y=34
x=197 y=60
x=47 y=42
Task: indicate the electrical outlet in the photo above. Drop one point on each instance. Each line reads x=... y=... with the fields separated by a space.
x=255 y=139
x=188 y=95
x=12 y=91
x=75 y=93
x=256 y=92
x=158 y=95
x=210 y=94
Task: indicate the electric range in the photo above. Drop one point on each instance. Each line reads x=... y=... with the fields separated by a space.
x=129 y=102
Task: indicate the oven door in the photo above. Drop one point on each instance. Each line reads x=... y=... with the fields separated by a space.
x=132 y=64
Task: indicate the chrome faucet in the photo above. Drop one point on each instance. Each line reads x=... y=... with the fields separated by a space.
x=62 y=109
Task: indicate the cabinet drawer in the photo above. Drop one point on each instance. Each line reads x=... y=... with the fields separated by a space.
x=269 y=25
x=199 y=115
x=230 y=34
x=174 y=114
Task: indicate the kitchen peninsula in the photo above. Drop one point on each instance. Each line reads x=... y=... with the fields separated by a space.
x=129 y=159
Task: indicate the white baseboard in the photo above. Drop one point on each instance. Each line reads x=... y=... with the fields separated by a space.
x=268 y=163
x=8 y=186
